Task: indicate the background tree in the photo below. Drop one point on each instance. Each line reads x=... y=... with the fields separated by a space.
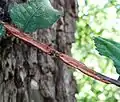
x=28 y=75
x=96 y=18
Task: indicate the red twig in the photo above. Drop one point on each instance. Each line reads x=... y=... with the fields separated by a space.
x=65 y=58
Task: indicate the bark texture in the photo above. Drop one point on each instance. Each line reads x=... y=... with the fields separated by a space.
x=29 y=75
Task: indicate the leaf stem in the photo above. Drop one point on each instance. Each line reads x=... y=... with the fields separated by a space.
x=65 y=58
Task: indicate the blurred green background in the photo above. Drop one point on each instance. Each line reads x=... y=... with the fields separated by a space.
x=96 y=18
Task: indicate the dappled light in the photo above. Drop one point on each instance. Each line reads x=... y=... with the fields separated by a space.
x=96 y=18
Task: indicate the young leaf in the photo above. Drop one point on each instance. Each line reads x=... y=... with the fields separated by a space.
x=34 y=15
x=2 y=30
x=110 y=49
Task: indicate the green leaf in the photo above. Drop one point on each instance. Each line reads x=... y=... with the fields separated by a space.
x=110 y=49
x=36 y=14
x=2 y=30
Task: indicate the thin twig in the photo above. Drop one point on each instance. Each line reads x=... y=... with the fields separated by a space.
x=65 y=58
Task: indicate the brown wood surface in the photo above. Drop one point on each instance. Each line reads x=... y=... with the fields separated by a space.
x=29 y=75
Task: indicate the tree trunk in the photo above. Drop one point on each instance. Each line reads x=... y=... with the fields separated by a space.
x=29 y=75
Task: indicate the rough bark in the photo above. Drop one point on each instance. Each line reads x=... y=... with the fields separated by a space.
x=29 y=75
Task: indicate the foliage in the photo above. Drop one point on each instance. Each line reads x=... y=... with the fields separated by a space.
x=2 y=30
x=96 y=18
x=110 y=49
x=33 y=15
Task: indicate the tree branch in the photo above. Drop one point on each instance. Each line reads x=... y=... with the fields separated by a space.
x=65 y=58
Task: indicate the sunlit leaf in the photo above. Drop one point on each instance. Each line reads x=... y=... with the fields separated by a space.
x=34 y=15
x=110 y=49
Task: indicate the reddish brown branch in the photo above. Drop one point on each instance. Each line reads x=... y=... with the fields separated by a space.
x=65 y=58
